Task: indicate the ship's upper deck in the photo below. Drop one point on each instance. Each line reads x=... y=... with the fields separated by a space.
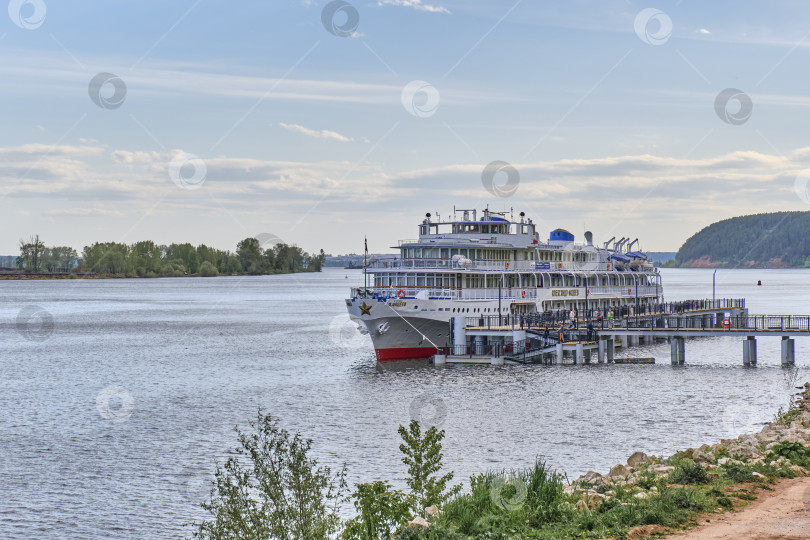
x=492 y=230
x=494 y=243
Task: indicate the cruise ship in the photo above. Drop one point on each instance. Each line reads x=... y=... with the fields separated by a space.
x=489 y=266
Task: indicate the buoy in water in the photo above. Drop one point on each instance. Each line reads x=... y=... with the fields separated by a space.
x=759 y=283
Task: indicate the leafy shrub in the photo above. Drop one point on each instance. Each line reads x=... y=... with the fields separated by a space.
x=272 y=488
x=647 y=479
x=797 y=453
x=785 y=417
x=208 y=270
x=725 y=502
x=738 y=473
x=383 y=512
x=689 y=472
x=423 y=456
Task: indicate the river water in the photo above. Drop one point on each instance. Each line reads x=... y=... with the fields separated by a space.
x=118 y=397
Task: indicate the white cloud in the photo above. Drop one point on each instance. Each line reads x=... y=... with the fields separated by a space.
x=81 y=212
x=416 y=4
x=322 y=134
x=703 y=31
x=665 y=199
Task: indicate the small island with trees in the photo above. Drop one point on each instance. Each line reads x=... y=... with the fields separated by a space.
x=147 y=259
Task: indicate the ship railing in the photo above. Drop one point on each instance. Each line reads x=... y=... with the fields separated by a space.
x=514 y=293
x=629 y=290
x=410 y=292
x=489 y=265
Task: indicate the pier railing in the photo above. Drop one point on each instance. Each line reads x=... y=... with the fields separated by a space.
x=643 y=314
x=732 y=322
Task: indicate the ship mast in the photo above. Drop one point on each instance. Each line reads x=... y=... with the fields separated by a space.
x=365 y=263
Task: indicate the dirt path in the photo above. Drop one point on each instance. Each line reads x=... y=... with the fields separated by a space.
x=785 y=516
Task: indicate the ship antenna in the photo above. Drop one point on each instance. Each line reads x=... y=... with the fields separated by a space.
x=365 y=263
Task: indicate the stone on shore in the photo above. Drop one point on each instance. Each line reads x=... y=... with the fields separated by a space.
x=663 y=469
x=592 y=477
x=418 y=523
x=619 y=471
x=636 y=459
x=432 y=512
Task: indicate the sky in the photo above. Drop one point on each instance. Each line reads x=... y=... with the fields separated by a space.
x=323 y=122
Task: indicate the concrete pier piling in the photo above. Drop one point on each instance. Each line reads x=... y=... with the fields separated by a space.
x=558 y=358
x=750 y=351
x=788 y=351
x=677 y=350
x=600 y=353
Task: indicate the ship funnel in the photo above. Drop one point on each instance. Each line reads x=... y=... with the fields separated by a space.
x=589 y=238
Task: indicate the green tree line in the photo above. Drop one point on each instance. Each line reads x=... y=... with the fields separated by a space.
x=775 y=239
x=148 y=259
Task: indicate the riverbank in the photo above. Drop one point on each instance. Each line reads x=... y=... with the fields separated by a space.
x=116 y=276
x=47 y=276
x=755 y=482
x=760 y=482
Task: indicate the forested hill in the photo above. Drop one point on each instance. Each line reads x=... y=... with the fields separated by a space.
x=775 y=240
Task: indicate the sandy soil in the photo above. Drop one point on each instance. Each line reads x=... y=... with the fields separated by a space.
x=785 y=516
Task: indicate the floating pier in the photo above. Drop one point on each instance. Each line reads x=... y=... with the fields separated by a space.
x=500 y=340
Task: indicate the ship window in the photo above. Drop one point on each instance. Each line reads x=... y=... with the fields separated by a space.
x=485 y=228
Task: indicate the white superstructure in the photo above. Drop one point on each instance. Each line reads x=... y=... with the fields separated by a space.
x=491 y=266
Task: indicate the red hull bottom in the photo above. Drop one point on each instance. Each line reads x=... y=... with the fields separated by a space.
x=404 y=353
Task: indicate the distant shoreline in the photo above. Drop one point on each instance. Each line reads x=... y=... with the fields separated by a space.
x=26 y=277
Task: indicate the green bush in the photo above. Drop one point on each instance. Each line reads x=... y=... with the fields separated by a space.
x=383 y=512
x=797 y=453
x=208 y=270
x=689 y=472
x=272 y=488
x=785 y=417
x=738 y=473
x=423 y=456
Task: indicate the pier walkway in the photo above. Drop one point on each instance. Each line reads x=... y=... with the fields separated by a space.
x=550 y=338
